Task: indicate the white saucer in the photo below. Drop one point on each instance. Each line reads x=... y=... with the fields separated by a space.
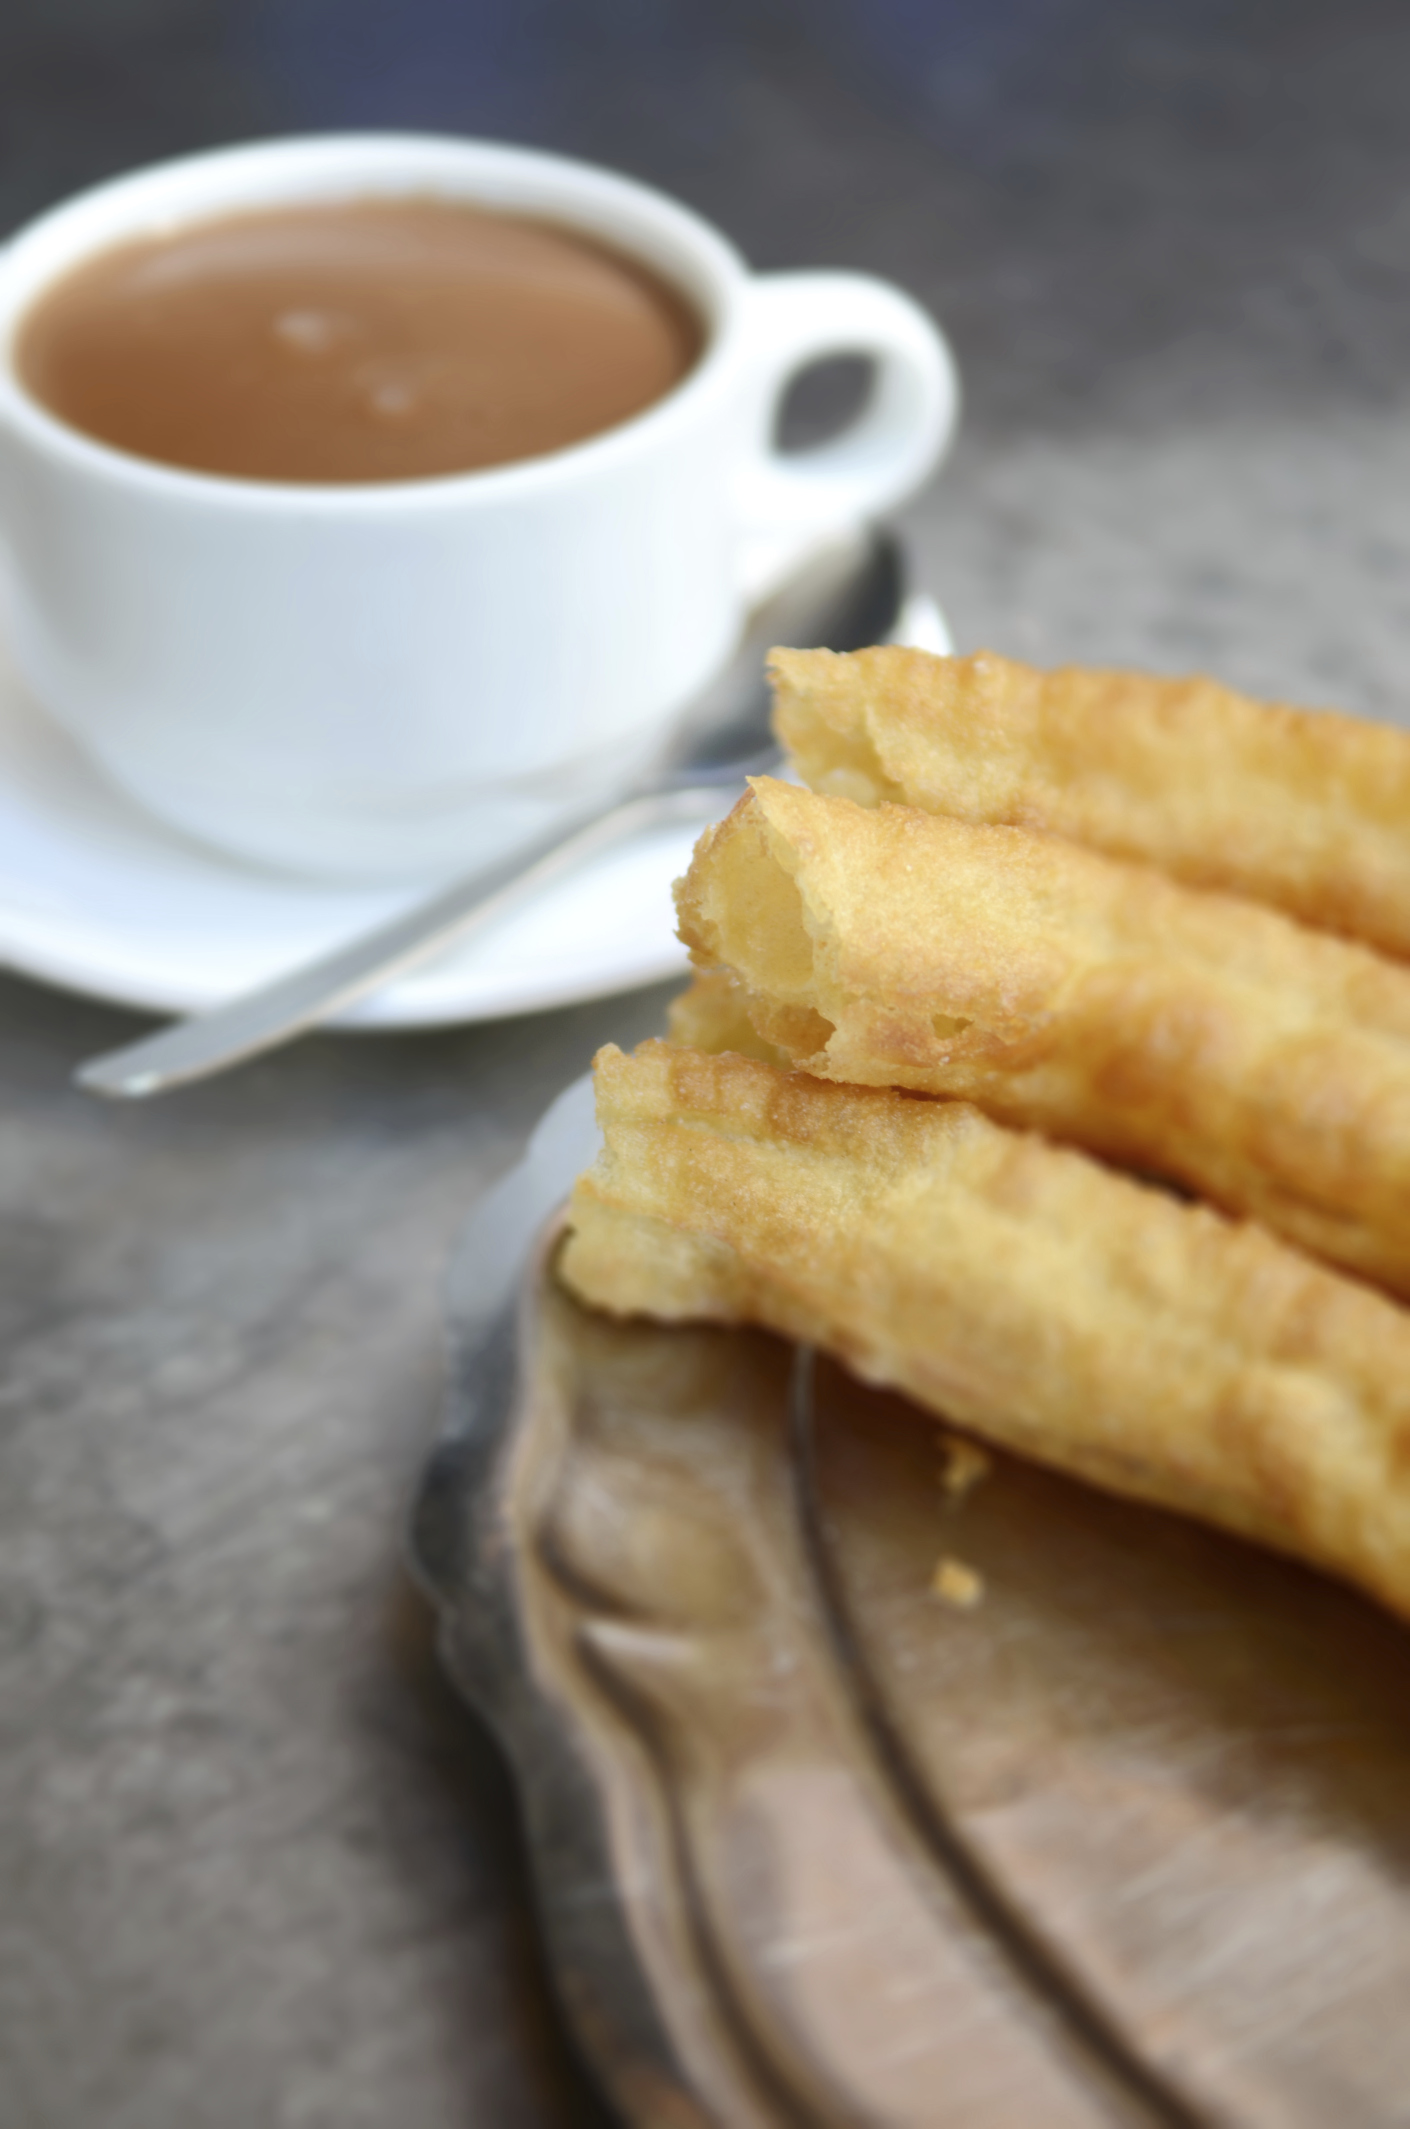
x=97 y=897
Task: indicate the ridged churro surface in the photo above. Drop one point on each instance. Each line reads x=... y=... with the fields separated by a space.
x=1018 y=1288
x=1193 y=1035
x=1306 y=810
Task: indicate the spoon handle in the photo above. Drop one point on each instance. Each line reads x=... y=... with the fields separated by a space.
x=260 y=1019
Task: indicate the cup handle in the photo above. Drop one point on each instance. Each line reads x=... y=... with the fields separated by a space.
x=790 y=501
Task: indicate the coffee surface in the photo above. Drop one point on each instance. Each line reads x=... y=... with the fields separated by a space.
x=371 y=340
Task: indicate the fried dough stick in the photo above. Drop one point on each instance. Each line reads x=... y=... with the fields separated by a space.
x=712 y=1015
x=1188 y=1034
x=1305 y=810
x=1066 y=1312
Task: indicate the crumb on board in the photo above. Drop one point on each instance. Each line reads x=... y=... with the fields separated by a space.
x=964 y=1466
x=955 y=1584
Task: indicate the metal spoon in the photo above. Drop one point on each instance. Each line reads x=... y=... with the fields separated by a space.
x=847 y=596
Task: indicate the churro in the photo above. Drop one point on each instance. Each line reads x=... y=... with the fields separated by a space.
x=1306 y=810
x=1017 y=1288
x=1192 y=1035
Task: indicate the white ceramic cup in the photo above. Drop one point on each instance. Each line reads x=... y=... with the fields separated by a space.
x=398 y=679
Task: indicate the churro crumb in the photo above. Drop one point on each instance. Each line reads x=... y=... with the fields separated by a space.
x=957 y=1585
x=965 y=1465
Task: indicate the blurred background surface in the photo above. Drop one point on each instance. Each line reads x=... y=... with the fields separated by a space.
x=1170 y=239
x=254 y=1865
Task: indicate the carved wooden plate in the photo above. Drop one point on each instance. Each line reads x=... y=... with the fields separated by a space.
x=1106 y=1821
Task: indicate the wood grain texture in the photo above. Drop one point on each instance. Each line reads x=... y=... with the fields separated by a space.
x=1068 y=1853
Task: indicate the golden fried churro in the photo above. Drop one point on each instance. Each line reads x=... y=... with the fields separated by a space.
x=1018 y=1288
x=714 y=1015
x=1306 y=810
x=1193 y=1035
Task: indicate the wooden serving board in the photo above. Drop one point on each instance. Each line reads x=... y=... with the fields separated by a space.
x=1126 y=1840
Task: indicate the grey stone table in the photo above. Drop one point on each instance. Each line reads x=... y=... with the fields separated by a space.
x=256 y=1866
